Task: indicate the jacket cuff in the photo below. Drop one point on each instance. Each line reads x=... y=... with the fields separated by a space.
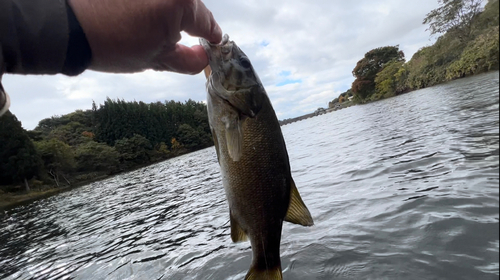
x=78 y=54
x=41 y=37
x=4 y=101
x=33 y=35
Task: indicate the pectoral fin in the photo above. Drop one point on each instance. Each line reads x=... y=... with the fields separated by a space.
x=234 y=139
x=297 y=210
x=207 y=71
x=216 y=144
x=237 y=233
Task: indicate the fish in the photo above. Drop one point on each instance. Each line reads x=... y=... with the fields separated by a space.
x=252 y=156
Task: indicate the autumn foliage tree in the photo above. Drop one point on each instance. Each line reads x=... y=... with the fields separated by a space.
x=367 y=68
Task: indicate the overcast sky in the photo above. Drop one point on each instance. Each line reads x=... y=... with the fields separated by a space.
x=303 y=52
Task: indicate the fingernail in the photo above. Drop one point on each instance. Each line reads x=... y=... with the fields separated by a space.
x=216 y=35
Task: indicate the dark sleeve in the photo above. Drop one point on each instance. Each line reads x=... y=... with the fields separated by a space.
x=41 y=37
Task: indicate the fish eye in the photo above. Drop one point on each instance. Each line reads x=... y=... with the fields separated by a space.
x=245 y=62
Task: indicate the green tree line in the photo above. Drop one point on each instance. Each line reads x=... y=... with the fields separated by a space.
x=84 y=145
x=468 y=45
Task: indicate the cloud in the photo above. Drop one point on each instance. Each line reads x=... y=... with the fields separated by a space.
x=287 y=82
x=303 y=52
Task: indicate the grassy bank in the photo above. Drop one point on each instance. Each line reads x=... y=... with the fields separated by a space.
x=10 y=200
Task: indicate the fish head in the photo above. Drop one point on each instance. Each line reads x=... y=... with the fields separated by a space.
x=233 y=78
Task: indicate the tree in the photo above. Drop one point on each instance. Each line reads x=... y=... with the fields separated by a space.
x=367 y=68
x=175 y=145
x=66 y=128
x=93 y=156
x=70 y=133
x=160 y=152
x=480 y=55
x=450 y=57
x=157 y=122
x=489 y=17
x=58 y=158
x=453 y=15
x=389 y=80
x=134 y=150
x=19 y=160
x=192 y=138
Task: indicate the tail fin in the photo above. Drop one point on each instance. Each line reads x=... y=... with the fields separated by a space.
x=269 y=274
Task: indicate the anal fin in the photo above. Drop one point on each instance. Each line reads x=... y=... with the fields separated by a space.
x=297 y=211
x=237 y=233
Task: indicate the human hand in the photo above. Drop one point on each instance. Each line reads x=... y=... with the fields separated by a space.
x=128 y=36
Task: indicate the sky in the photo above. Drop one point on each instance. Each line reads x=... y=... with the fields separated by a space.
x=303 y=51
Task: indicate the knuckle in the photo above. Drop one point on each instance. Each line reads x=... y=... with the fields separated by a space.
x=188 y=5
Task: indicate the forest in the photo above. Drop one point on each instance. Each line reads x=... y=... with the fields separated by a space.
x=468 y=44
x=87 y=145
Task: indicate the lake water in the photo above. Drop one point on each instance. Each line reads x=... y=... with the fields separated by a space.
x=405 y=188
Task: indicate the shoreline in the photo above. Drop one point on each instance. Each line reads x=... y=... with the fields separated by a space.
x=10 y=200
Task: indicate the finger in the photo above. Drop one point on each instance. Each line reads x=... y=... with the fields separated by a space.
x=199 y=21
x=184 y=60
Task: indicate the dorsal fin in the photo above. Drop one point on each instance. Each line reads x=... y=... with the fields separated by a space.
x=297 y=211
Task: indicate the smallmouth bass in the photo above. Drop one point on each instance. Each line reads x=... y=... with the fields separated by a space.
x=252 y=156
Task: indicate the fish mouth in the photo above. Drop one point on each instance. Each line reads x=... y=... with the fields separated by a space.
x=214 y=54
x=213 y=50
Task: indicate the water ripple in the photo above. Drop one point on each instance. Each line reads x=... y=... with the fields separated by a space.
x=405 y=188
